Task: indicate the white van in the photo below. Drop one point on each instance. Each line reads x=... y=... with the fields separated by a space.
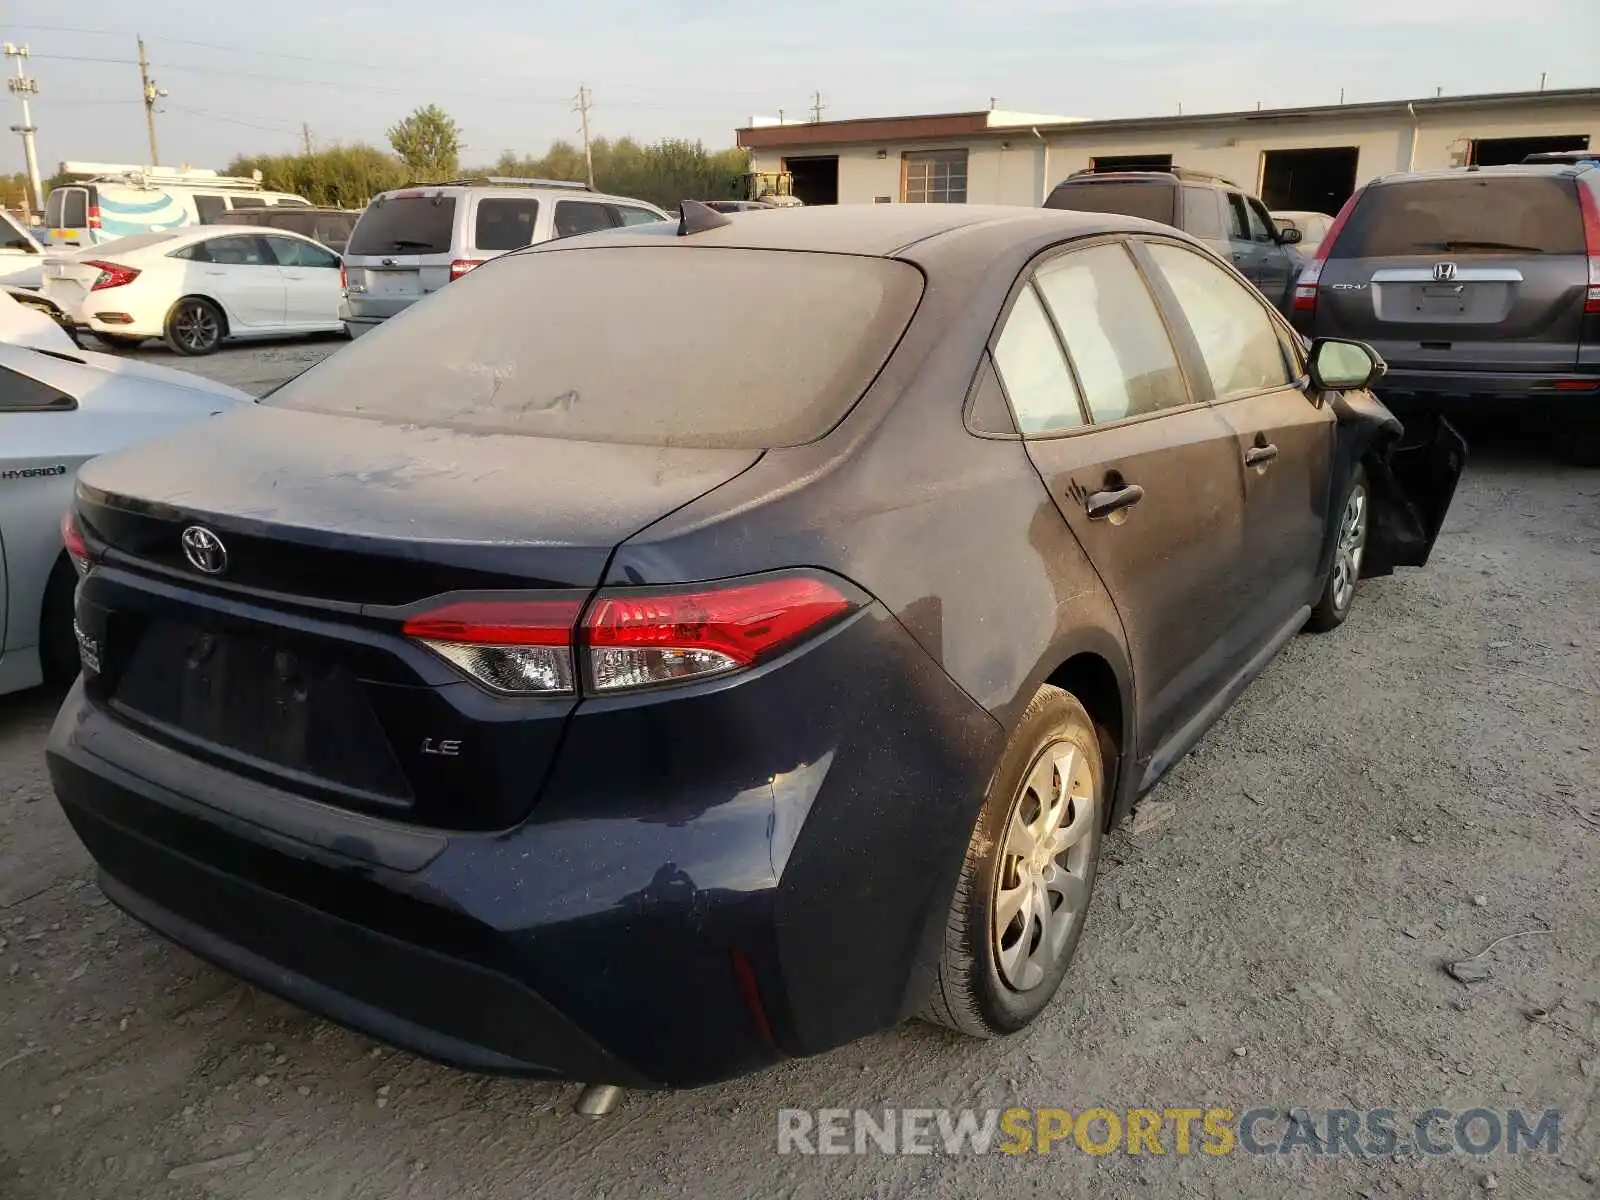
x=106 y=201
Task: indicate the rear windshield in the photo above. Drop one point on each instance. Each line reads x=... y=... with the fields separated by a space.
x=1152 y=201
x=1469 y=215
x=405 y=225
x=653 y=345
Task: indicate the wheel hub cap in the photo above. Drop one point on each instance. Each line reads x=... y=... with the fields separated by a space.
x=1042 y=887
x=1352 y=546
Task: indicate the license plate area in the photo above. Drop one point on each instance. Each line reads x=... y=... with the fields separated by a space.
x=270 y=707
x=394 y=283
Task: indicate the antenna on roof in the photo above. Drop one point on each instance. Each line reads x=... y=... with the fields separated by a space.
x=696 y=217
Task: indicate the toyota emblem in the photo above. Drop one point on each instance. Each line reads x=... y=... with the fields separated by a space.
x=204 y=550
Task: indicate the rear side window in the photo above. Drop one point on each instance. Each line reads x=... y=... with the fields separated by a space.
x=235 y=252
x=505 y=224
x=652 y=345
x=1124 y=359
x=1033 y=371
x=213 y=210
x=23 y=393
x=405 y=225
x=1469 y=214
x=583 y=216
x=248 y=202
x=1201 y=216
x=1152 y=201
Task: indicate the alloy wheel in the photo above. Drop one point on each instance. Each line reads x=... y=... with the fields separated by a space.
x=1352 y=546
x=196 y=327
x=1042 y=890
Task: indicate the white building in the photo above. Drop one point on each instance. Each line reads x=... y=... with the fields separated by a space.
x=1294 y=158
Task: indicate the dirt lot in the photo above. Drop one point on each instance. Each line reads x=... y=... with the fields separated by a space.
x=1384 y=799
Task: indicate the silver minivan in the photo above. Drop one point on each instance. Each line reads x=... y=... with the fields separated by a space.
x=412 y=241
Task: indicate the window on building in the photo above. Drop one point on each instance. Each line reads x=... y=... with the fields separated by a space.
x=934 y=176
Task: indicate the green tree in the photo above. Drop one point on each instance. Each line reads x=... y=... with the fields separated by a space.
x=429 y=143
x=665 y=174
x=340 y=176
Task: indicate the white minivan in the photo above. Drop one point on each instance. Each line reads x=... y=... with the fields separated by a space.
x=107 y=201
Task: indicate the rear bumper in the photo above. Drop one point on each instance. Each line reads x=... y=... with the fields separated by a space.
x=1522 y=393
x=667 y=917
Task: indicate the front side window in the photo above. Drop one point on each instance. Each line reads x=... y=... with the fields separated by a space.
x=574 y=217
x=1238 y=340
x=934 y=177
x=1238 y=218
x=1124 y=360
x=637 y=216
x=290 y=252
x=1260 y=226
x=505 y=224
x=1033 y=371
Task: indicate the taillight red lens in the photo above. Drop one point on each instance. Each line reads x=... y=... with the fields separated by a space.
x=344 y=279
x=72 y=539
x=111 y=275
x=629 y=637
x=462 y=265
x=644 y=639
x=1590 y=208
x=1305 y=288
x=94 y=216
x=520 y=647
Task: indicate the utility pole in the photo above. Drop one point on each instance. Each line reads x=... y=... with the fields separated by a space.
x=817 y=106
x=1543 y=75
x=582 y=109
x=22 y=87
x=151 y=94
x=305 y=135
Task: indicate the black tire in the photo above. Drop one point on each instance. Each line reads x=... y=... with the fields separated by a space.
x=194 y=327
x=58 y=643
x=1583 y=448
x=119 y=341
x=1336 y=600
x=971 y=992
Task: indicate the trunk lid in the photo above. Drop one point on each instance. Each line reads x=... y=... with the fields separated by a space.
x=288 y=664
x=1474 y=272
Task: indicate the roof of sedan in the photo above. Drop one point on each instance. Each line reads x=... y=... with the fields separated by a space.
x=879 y=230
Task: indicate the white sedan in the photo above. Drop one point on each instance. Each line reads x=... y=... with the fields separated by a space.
x=195 y=287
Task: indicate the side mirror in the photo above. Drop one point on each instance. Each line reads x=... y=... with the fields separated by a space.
x=1340 y=366
x=1288 y=236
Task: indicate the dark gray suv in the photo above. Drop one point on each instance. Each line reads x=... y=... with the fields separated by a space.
x=1480 y=287
x=1230 y=221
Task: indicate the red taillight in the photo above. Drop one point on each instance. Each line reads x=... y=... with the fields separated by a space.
x=1305 y=289
x=111 y=275
x=94 y=216
x=1590 y=207
x=344 y=280
x=522 y=647
x=72 y=539
x=629 y=637
x=642 y=639
x=462 y=265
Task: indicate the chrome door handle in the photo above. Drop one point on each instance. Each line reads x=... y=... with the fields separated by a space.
x=1260 y=456
x=1108 y=505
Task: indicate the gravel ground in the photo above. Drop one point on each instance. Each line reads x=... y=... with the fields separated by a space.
x=1271 y=929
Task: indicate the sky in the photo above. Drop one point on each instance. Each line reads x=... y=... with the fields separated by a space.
x=246 y=78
